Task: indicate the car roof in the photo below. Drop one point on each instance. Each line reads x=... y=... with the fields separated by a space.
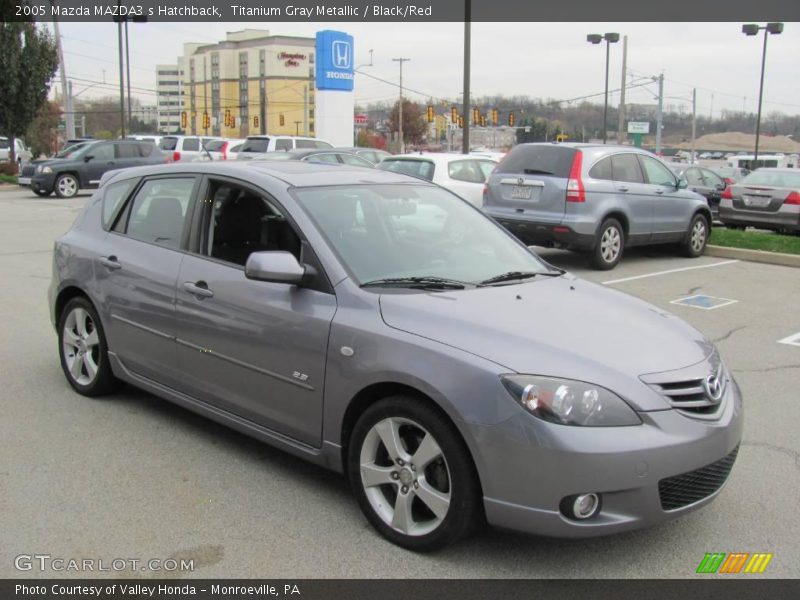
x=439 y=157
x=293 y=173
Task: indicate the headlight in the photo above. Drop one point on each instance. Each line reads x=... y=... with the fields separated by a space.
x=44 y=170
x=569 y=402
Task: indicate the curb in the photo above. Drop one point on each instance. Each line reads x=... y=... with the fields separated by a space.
x=759 y=256
x=8 y=187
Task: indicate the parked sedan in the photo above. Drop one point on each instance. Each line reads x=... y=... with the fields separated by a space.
x=705 y=182
x=766 y=198
x=379 y=325
x=462 y=174
x=317 y=155
x=730 y=174
x=373 y=155
x=596 y=199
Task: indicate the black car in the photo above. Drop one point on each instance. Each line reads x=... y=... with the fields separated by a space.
x=82 y=165
x=704 y=181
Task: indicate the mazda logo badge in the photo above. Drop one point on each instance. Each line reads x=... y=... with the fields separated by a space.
x=713 y=387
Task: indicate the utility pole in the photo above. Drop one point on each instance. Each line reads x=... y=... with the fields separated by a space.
x=660 y=114
x=400 y=105
x=694 y=121
x=128 y=73
x=467 y=42
x=305 y=110
x=121 y=82
x=69 y=117
x=621 y=129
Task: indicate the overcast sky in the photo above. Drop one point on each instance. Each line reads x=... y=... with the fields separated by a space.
x=548 y=60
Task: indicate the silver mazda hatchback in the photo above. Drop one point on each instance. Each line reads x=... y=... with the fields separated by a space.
x=381 y=326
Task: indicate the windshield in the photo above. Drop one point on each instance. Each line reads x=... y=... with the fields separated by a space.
x=411 y=230
x=780 y=179
x=74 y=150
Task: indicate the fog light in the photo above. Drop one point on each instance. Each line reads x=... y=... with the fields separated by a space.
x=581 y=506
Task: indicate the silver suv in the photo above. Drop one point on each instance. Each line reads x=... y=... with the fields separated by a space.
x=595 y=198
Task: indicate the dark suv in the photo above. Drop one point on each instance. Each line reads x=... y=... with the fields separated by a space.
x=82 y=165
x=597 y=199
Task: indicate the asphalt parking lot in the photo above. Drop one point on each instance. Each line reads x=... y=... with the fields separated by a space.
x=132 y=476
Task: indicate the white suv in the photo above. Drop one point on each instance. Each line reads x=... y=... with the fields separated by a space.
x=258 y=144
x=184 y=147
x=21 y=152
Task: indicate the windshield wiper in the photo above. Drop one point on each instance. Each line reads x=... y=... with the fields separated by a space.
x=512 y=275
x=420 y=282
x=536 y=172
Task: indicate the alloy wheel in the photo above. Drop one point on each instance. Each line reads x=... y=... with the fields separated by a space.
x=610 y=244
x=698 y=236
x=67 y=186
x=81 y=346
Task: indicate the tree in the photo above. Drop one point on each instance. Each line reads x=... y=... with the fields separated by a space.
x=28 y=61
x=41 y=133
x=414 y=125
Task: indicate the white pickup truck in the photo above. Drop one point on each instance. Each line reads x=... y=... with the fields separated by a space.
x=21 y=152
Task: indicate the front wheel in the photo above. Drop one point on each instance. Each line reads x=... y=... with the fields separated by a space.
x=41 y=193
x=67 y=186
x=696 y=238
x=83 y=350
x=413 y=475
x=609 y=247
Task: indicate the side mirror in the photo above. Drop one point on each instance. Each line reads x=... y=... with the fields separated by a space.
x=682 y=184
x=719 y=187
x=88 y=158
x=277 y=266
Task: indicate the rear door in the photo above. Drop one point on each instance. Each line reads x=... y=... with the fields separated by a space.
x=673 y=208
x=631 y=189
x=531 y=183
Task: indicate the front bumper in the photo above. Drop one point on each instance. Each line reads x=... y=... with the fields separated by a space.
x=24 y=181
x=43 y=182
x=533 y=465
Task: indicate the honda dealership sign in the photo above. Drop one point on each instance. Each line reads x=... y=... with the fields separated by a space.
x=334 y=61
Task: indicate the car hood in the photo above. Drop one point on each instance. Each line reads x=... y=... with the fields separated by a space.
x=559 y=327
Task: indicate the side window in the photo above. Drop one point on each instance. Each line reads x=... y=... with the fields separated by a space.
x=712 y=179
x=127 y=150
x=352 y=159
x=284 y=144
x=243 y=222
x=158 y=211
x=657 y=174
x=693 y=177
x=191 y=144
x=625 y=167
x=101 y=152
x=602 y=170
x=146 y=148
x=113 y=197
x=464 y=170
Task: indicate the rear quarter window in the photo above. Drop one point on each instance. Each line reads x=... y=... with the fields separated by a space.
x=538 y=160
x=602 y=170
x=285 y=145
x=191 y=144
x=168 y=143
x=257 y=145
x=113 y=197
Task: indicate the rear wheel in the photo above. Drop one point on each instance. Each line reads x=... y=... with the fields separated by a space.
x=83 y=350
x=609 y=247
x=413 y=475
x=696 y=238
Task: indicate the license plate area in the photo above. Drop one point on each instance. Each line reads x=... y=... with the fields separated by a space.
x=756 y=201
x=521 y=192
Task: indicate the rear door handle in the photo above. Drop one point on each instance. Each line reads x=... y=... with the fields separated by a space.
x=110 y=263
x=623 y=188
x=199 y=289
x=659 y=191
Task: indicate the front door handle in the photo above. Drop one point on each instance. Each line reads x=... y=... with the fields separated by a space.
x=623 y=188
x=199 y=289
x=659 y=191
x=110 y=262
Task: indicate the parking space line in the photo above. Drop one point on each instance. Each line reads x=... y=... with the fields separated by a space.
x=792 y=340
x=656 y=274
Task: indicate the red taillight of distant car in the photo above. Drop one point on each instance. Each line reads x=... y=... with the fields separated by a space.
x=224 y=150
x=793 y=198
x=727 y=194
x=176 y=156
x=575 y=189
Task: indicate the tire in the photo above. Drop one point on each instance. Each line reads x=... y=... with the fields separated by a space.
x=609 y=247
x=696 y=238
x=83 y=350
x=66 y=186
x=41 y=193
x=421 y=509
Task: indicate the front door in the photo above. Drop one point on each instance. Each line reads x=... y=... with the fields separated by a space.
x=253 y=348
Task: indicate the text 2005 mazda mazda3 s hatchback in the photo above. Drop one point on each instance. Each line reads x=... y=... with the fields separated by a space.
x=383 y=327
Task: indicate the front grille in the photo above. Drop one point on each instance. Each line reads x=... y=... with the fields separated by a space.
x=689 y=395
x=28 y=171
x=683 y=490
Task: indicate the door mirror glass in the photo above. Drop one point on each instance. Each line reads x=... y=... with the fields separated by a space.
x=277 y=266
x=88 y=158
x=682 y=184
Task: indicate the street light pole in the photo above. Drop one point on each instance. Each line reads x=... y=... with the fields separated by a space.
x=400 y=105
x=610 y=38
x=752 y=29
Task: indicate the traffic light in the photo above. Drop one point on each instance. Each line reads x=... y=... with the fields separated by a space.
x=476 y=115
x=232 y=122
x=184 y=120
x=281 y=120
x=227 y=116
x=255 y=121
x=453 y=114
x=206 y=121
x=511 y=119
x=461 y=121
x=495 y=117
x=483 y=120
x=430 y=113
